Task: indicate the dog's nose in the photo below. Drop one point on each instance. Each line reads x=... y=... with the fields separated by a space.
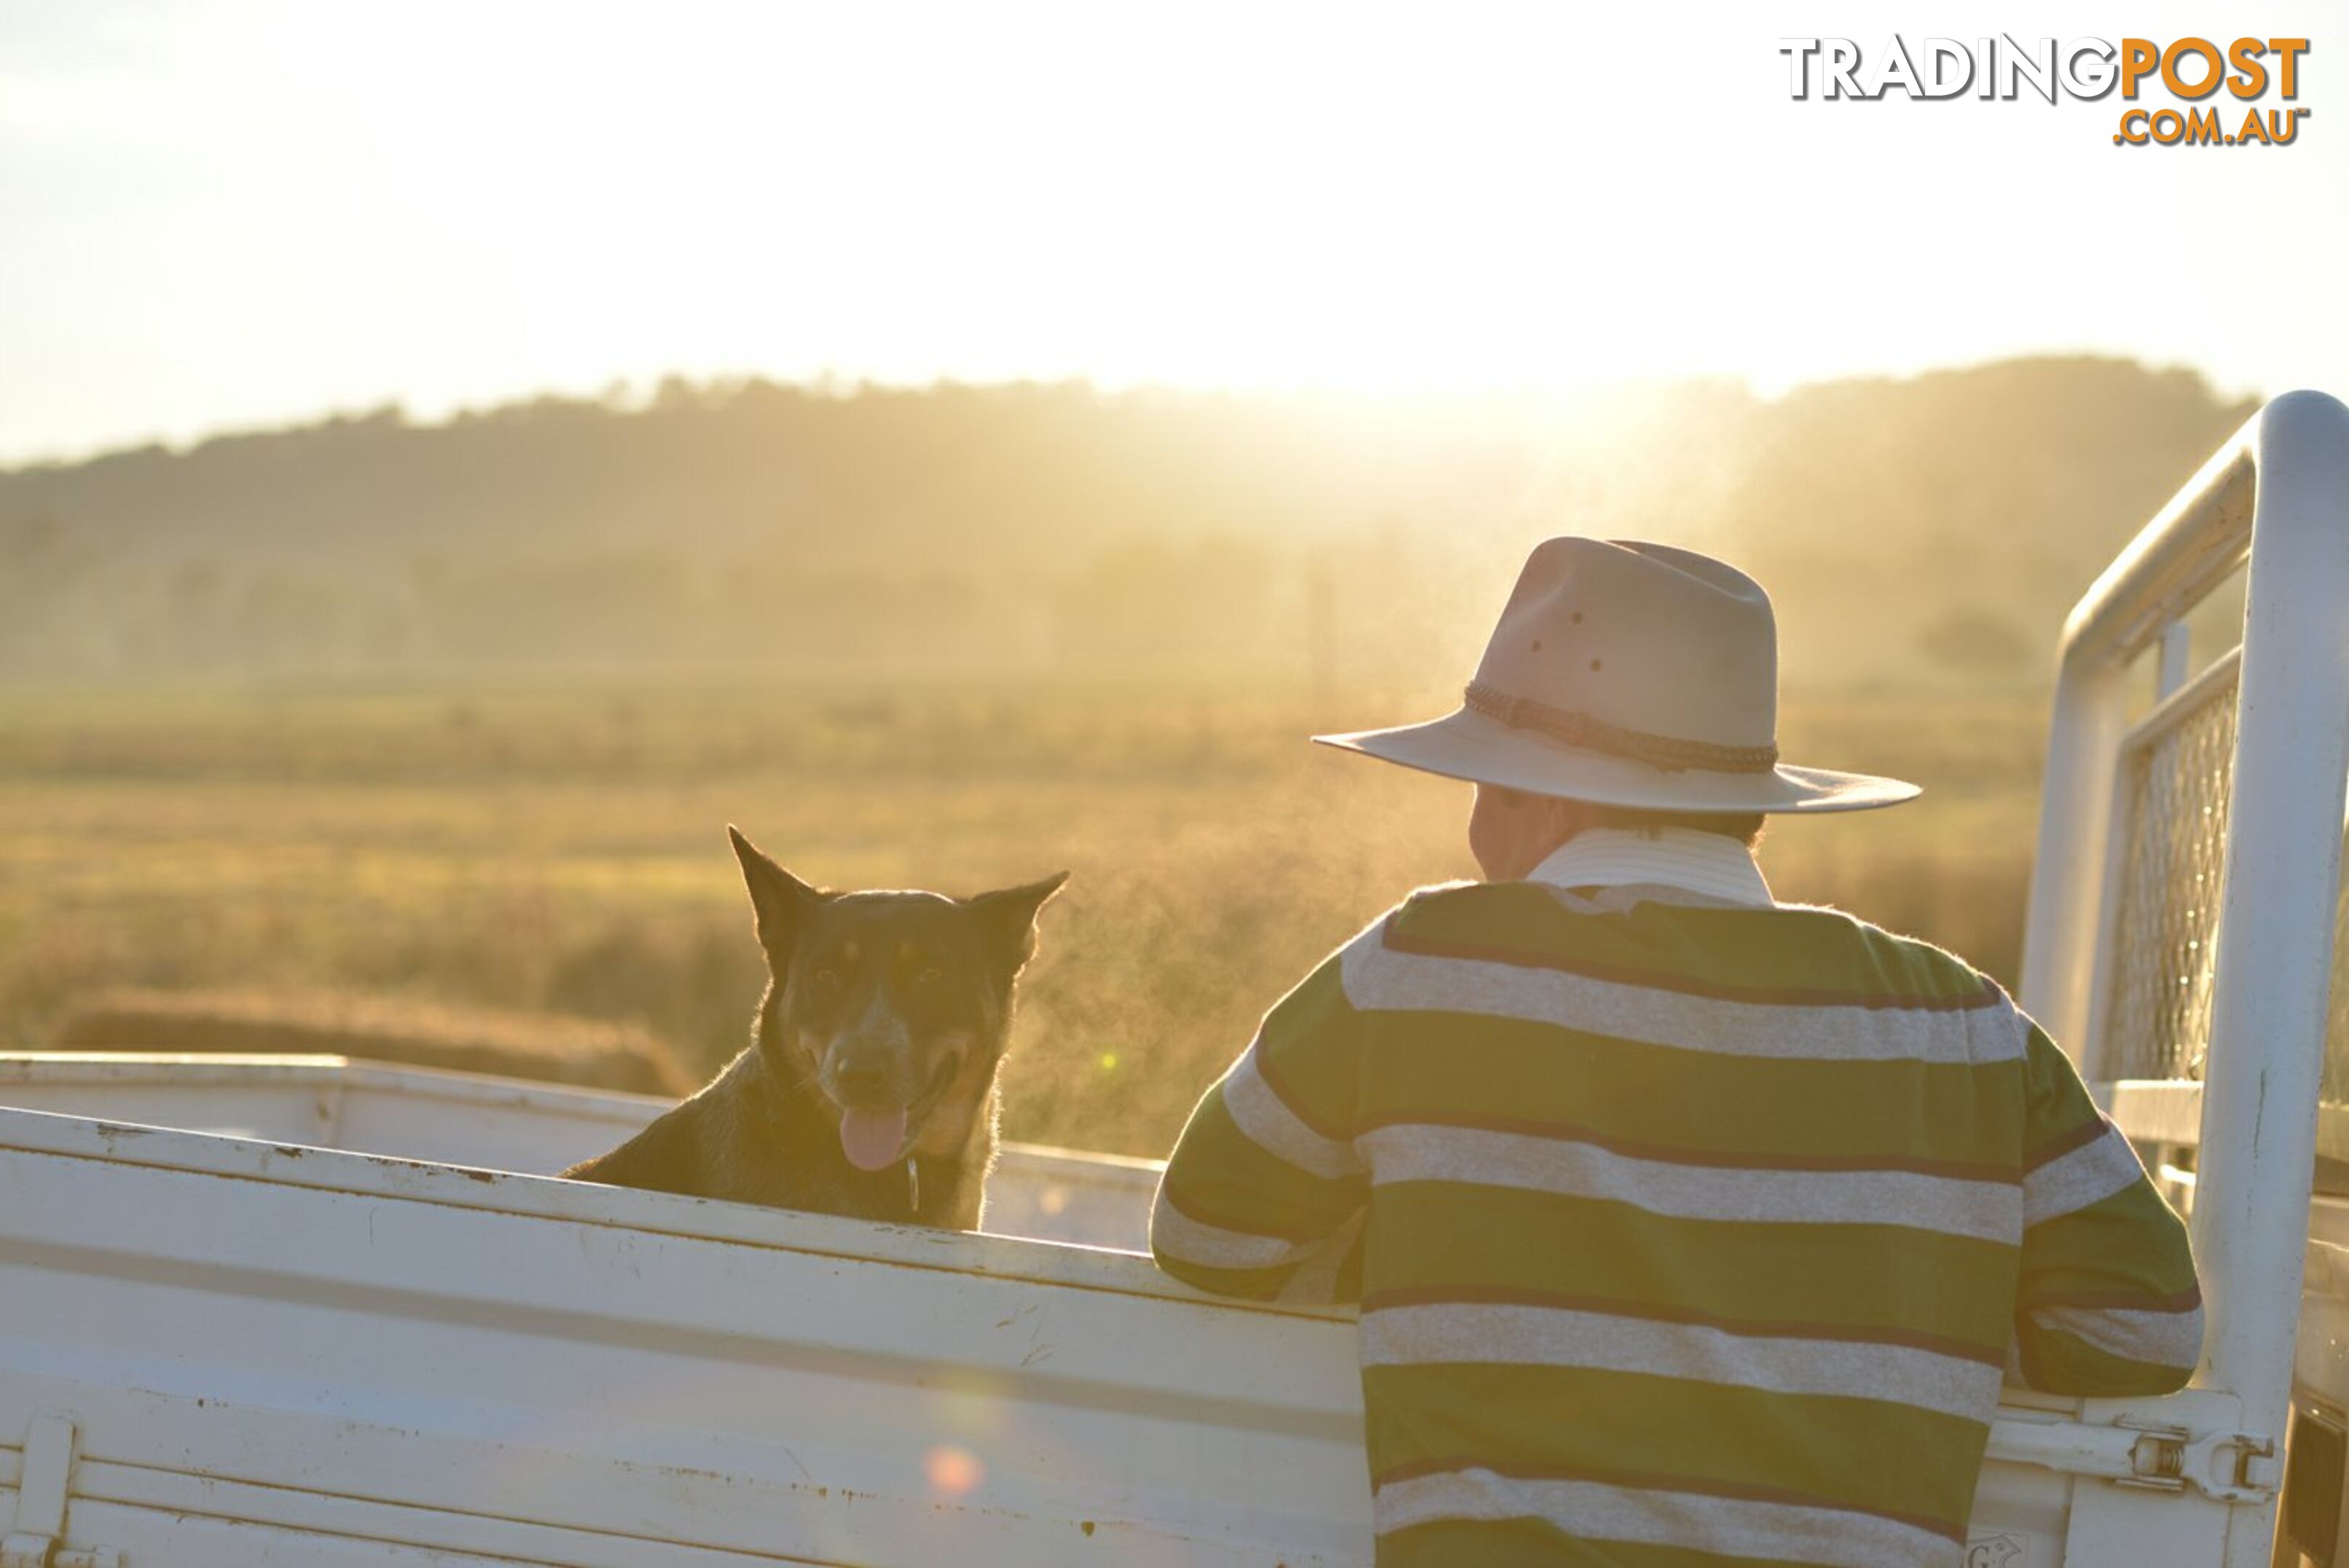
x=861 y=1085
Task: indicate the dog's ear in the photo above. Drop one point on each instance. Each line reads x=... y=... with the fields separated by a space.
x=1008 y=919
x=781 y=900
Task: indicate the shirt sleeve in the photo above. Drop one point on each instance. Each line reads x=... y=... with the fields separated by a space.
x=2107 y=1303
x=1260 y=1188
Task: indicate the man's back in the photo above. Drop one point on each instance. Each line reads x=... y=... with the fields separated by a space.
x=1696 y=1233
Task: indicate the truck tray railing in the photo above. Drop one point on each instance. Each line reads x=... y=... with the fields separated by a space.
x=2182 y=911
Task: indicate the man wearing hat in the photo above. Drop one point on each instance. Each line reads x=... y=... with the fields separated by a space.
x=1695 y=1229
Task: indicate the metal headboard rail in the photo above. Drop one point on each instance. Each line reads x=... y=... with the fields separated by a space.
x=2277 y=493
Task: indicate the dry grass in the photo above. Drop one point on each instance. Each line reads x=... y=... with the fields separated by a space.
x=546 y=1046
x=564 y=852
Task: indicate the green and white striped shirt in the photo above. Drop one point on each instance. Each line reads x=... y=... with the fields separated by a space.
x=1699 y=1229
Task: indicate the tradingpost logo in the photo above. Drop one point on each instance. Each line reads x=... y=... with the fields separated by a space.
x=2179 y=81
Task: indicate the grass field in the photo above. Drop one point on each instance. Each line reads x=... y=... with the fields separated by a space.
x=564 y=850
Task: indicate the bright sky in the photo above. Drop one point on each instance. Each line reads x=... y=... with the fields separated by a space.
x=222 y=214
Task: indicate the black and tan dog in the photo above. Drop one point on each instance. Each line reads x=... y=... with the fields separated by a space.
x=869 y=1086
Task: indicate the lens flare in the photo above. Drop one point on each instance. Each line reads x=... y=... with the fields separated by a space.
x=954 y=1471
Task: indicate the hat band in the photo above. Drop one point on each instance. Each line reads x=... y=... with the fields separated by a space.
x=1665 y=752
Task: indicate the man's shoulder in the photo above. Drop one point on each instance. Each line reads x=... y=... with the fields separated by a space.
x=1778 y=950
x=1906 y=963
x=1466 y=915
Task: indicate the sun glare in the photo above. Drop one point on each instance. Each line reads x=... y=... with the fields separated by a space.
x=531 y=196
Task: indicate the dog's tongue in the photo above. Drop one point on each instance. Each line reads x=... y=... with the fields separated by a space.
x=871 y=1139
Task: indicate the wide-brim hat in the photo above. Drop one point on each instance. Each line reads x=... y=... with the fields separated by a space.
x=1629 y=674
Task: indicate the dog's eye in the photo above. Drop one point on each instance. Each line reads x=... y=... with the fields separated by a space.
x=930 y=976
x=827 y=978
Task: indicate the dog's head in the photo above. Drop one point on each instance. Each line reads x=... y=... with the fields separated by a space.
x=894 y=1007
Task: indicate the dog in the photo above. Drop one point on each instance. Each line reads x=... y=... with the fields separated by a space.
x=869 y=1085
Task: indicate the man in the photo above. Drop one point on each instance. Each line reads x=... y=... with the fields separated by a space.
x=1698 y=1229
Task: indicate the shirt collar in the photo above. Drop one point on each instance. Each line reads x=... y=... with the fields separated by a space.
x=1711 y=864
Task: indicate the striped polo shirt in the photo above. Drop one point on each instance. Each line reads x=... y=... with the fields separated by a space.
x=1694 y=1229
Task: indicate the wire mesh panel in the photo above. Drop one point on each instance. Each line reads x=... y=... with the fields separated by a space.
x=2174 y=826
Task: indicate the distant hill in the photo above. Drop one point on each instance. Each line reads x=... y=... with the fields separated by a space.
x=1930 y=528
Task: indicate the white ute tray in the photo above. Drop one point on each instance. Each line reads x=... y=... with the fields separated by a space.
x=270 y=1351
